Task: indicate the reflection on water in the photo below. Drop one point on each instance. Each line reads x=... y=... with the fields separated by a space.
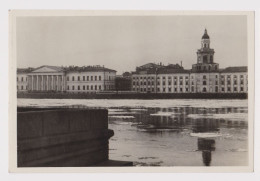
x=178 y=135
x=172 y=132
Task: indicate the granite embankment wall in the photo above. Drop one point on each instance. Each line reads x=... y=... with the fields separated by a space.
x=62 y=137
x=134 y=96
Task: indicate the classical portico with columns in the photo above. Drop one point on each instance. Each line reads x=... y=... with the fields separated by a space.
x=47 y=78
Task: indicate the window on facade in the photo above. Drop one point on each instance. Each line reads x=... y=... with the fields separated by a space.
x=21 y=87
x=229 y=89
x=169 y=89
x=152 y=83
x=216 y=76
x=216 y=82
x=91 y=78
x=91 y=87
x=241 y=89
x=144 y=83
x=68 y=78
x=180 y=82
x=241 y=82
x=222 y=82
x=175 y=83
x=141 y=89
x=87 y=87
x=84 y=87
x=169 y=77
x=133 y=83
x=163 y=83
x=141 y=83
x=187 y=83
x=205 y=59
x=152 y=89
x=163 y=77
x=180 y=89
x=99 y=77
x=137 y=83
x=235 y=89
x=187 y=89
x=158 y=89
x=95 y=77
x=73 y=87
x=228 y=82
x=148 y=82
x=78 y=87
x=204 y=76
x=68 y=87
x=87 y=78
x=95 y=87
x=78 y=78
x=204 y=89
x=235 y=82
x=100 y=87
x=144 y=89
x=72 y=78
x=22 y=79
x=204 y=82
x=223 y=89
x=192 y=89
x=163 y=89
x=158 y=83
x=235 y=76
x=83 y=78
x=216 y=89
x=211 y=58
x=175 y=89
x=169 y=83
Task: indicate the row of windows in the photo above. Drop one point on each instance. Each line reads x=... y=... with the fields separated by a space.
x=159 y=90
x=22 y=88
x=181 y=89
x=85 y=78
x=234 y=76
x=22 y=79
x=88 y=87
x=180 y=77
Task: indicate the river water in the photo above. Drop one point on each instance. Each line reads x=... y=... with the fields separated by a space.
x=172 y=132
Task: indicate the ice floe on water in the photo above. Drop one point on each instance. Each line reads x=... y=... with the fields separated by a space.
x=122 y=117
x=228 y=116
x=135 y=103
x=206 y=135
x=160 y=113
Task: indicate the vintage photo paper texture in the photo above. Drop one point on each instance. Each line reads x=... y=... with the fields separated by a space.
x=131 y=91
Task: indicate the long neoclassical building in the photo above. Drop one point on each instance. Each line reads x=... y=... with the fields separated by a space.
x=204 y=77
x=65 y=79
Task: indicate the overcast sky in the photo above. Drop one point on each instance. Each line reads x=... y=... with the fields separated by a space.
x=124 y=42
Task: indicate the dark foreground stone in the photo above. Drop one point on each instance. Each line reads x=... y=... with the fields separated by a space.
x=58 y=137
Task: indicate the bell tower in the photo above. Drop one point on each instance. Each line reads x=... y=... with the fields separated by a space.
x=205 y=56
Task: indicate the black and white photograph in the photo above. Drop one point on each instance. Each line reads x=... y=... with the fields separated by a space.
x=132 y=89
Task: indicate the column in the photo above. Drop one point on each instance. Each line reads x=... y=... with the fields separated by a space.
x=52 y=82
x=47 y=84
x=32 y=82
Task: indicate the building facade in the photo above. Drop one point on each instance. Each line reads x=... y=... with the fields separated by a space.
x=204 y=77
x=66 y=79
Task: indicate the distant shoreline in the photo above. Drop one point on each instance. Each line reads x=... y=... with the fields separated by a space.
x=133 y=96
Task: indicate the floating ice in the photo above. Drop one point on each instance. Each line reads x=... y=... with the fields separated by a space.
x=134 y=103
x=228 y=116
x=122 y=117
x=206 y=135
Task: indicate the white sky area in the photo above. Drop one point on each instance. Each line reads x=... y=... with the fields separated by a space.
x=124 y=42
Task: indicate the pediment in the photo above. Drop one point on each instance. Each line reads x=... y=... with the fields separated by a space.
x=45 y=69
